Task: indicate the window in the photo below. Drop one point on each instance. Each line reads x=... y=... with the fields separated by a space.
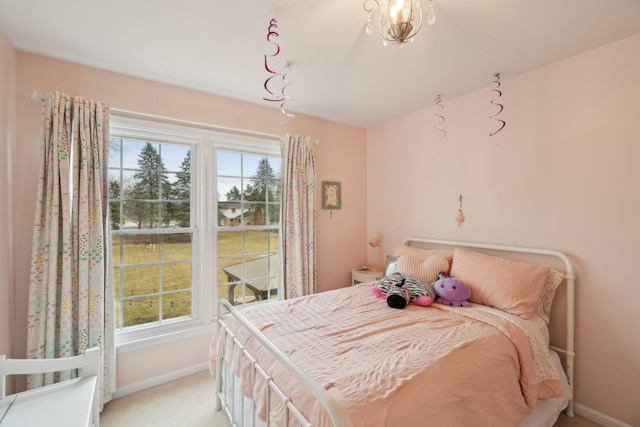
x=152 y=238
x=168 y=186
x=247 y=232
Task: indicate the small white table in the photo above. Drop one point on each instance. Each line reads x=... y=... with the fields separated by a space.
x=65 y=404
x=362 y=275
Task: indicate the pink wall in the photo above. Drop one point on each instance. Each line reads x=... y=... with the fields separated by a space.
x=8 y=65
x=562 y=174
x=339 y=157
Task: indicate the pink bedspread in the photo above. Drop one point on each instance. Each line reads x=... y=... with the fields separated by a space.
x=438 y=365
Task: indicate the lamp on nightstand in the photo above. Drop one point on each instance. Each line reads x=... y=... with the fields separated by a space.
x=374 y=242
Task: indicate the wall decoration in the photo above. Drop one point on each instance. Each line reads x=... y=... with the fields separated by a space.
x=500 y=106
x=439 y=114
x=282 y=97
x=460 y=215
x=331 y=195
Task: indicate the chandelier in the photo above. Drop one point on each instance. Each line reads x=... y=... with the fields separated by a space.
x=398 y=20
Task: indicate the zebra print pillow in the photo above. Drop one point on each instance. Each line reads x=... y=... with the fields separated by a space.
x=415 y=287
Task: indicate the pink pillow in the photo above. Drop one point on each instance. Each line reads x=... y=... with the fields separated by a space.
x=424 y=270
x=510 y=286
x=421 y=254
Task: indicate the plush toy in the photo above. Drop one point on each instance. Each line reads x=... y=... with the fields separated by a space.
x=401 y=290
x=451 y=291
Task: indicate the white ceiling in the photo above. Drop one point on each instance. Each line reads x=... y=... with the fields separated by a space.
x=339 y=73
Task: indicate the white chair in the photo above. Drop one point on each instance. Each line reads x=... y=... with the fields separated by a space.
x=70 y=403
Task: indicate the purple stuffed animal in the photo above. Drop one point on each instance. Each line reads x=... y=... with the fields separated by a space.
x=452 y=292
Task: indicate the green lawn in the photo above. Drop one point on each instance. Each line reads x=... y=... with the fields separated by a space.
x=167 y=278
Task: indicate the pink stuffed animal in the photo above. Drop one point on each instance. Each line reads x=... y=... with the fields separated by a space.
x=452 y=292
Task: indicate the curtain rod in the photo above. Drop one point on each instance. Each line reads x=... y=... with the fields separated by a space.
x=134 y=114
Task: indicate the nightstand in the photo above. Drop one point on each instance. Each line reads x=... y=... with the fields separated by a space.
x=359 y=275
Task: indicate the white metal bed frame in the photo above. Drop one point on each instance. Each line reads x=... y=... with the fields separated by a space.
x=334 y=410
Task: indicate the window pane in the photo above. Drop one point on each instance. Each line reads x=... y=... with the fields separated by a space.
x=230 y=243
x=229 y=189
x=227 y=271
x=131 y=151
x=115 y=251
x=179 y=214
x=176 y=247
x=169 y=214
x=114 y=152
x=275 y=190
x=250 y=164
x=229 y=164
x=276 y=165
x=115 y=186
x=256 y=191
x=117 y=290
x=169 y=192
x=246 y=257
x=140 y=310
x=140 y=249
x=261 y=241
x=176 y=276
x=114 y=215
x=273 y=214
x=176 y=305
x=140 y=281
x=176 y=158
x=141 y=215
x=255 y=213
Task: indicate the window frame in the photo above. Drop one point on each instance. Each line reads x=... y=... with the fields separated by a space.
x=205 y=141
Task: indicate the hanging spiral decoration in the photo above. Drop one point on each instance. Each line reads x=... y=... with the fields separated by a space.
x=282 y=97
x=439 y=114
x=500 y=106
x=286 y=98
x=273 y=24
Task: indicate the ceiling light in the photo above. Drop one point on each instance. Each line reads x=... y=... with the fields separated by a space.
x=398 y=20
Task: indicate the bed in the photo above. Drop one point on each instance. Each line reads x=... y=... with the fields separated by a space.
x=345 y=358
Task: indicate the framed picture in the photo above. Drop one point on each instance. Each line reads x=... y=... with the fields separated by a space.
x=331 y=195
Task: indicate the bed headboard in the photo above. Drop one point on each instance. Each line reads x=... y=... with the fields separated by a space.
x=553 y=258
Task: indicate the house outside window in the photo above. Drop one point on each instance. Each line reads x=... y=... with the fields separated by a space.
x=194 y=216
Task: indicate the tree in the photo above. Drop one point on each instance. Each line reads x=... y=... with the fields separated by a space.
x=264 y=188
x=233 y=194
x=180 y=211
x=151 y=184
x=114 y=204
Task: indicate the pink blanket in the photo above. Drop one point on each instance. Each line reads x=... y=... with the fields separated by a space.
x=418 y=366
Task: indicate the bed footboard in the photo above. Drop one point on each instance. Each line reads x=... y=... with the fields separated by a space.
x=226 y=402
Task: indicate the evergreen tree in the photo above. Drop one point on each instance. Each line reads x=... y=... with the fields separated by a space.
x=264 y=188
x=233 y=194
x=180 y=211
x=114 y=204
x=151 y=185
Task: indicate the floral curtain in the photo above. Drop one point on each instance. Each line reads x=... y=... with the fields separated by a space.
x=298 y=216
x=71 y=291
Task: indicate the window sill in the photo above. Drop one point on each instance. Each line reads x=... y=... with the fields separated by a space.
x=132 y=342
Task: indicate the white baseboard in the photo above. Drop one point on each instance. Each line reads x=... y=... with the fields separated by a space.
x=598 y=417
x=161 y=379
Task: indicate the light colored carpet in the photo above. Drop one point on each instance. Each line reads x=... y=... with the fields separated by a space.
x=189 y=402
